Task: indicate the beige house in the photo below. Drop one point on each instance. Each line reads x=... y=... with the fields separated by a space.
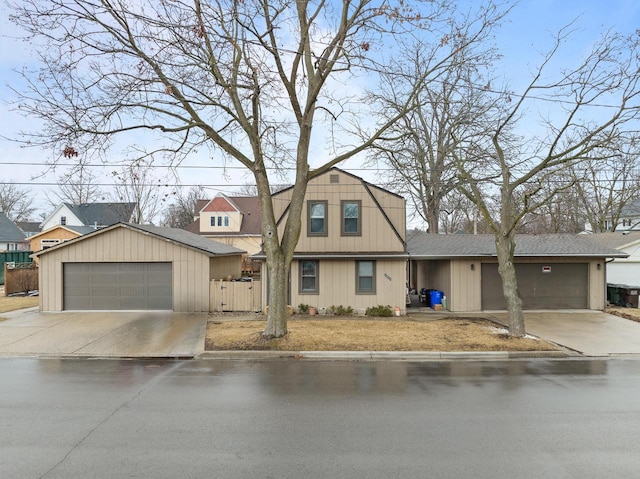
x=231 y=220
x=56 y=235
x=555 y=271
x=134 y=267
x=351 y=250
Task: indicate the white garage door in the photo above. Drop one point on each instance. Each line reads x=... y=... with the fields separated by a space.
x=117 y=286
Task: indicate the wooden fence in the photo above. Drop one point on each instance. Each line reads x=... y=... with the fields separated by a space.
x=13 y=257
x=235 y=296
x=20 y=278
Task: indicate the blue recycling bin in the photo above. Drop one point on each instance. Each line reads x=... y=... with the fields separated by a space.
x=436 y=297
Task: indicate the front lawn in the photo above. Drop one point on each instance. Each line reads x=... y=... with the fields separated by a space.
x=366 y=334
x=11 y=303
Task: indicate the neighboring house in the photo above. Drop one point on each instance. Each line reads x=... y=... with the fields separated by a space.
x=29 y=228
x=97 y=215
x=11 y=237
x=56 y=235
x=134 y=267
x=351 y=250
x=554 y=271
x=628 y=220
x=622 y=270
x=232 y=220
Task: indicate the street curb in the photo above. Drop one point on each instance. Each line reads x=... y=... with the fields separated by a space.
x=384 y=355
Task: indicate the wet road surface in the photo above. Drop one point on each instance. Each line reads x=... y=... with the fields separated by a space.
x=78 y=418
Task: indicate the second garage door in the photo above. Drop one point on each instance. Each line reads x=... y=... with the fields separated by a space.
x=117 y=286
x=552 y=286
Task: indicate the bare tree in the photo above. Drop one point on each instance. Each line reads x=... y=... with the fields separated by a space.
x=16 y=203
x=137 y=183
x=607 y=182
x=181 y=211
x=76 y=187
x=419 y=149
x=251 y=80
x=590 y=107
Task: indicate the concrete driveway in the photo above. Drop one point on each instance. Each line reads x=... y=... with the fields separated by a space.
x=157 y=334
x=593 y=333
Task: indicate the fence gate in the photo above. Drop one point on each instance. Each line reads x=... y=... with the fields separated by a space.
x=235 y=296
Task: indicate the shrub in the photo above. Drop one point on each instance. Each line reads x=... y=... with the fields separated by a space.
x=303 y=308
x=379 y=310
x=341 y=310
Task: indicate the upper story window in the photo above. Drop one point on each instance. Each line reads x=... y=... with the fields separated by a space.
x=365 y=277
x=317 y=222
x=63 y=220
x=351 y=224
x=219 y=220
x=48 y=243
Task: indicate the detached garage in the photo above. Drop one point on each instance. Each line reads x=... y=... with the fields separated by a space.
x=134 y=267
x=554 y=271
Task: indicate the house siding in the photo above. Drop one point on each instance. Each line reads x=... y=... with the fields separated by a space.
x=190 y=268
x=463 y=289
x=235 y=222
x=225 y=266
x=377 y=229
x=250 y=244
x=61 y=234
x=337 y=285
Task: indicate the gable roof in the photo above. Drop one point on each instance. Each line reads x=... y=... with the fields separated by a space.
x=9 y=232
x=424 y=246
x=249 y=206
x=616 y=240
x=102 y=214
x=632 y=208
x=333 y=169
x=175 y=235
x=81 y=230
x=29 y=226
x=220 y=203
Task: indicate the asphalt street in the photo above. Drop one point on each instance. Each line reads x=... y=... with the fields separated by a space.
x=79 y=418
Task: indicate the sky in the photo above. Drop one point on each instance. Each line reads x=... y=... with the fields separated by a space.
x=525 y=35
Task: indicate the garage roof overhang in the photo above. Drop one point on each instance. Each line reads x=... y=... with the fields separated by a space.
x=183 y=238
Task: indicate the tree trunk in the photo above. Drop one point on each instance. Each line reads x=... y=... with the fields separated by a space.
x=278 y=274
x=505 y=247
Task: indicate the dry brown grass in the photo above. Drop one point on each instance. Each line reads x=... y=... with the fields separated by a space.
x=11 y=303
x=458 y=334
x=628 y=313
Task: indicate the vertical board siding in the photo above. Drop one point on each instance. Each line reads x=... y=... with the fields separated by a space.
x=191 y=273
x=235 y=296
x=377 y=232
x=337 y=285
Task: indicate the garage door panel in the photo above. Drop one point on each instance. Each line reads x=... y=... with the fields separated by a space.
x=117 y=286
x=556 y=286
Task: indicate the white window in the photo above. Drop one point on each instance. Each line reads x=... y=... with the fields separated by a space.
x=48 y=243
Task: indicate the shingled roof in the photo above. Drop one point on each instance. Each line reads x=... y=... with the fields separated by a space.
x=249 y=206
x=425 y=246
x=176 y=235
x=616 y=240
x=102 y=214
x=9 y=232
